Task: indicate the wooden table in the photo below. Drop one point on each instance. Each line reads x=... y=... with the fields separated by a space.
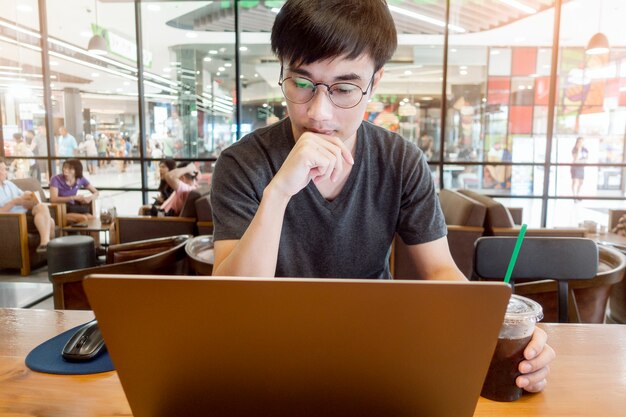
x=93 y=225
x=588 y=377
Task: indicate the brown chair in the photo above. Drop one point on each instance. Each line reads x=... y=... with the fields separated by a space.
x=587 y=299
x=18 y=246
x=205 y=215
x=165 y=256
x=499 y=220
x=133 y=228
x=614 y=216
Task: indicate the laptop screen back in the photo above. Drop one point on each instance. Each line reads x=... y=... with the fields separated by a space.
x=298 y=347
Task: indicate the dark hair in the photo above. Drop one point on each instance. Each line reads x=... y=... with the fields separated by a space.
x=306 y=31
x=17 y=136
x=76 y=165
x=168 y=162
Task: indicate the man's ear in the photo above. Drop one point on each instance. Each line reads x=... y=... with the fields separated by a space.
x=377 y=76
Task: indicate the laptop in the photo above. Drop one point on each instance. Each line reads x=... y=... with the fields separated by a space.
x=298 y=347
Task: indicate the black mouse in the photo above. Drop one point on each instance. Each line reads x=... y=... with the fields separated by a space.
x=86 y=344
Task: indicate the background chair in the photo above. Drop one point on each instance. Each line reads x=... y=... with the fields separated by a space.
x=499 y=220
x=165 y=256
x=18 y=247
x=587 y=299
x=559 y=259
x=205 y=215
x=133 y=228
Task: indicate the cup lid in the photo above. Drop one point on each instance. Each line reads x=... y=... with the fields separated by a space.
x=522 y=309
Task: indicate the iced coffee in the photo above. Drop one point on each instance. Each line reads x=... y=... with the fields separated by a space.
x=517 y=329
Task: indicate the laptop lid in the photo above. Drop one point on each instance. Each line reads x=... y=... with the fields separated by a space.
x=298 y=347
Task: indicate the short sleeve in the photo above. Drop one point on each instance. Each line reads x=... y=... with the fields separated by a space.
x=421 y=219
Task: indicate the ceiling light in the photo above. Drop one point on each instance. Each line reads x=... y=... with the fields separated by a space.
x=228 y=64
x=519 y=6
x=408 y=72
x=424 y=18
x=207 y=59
x=213 y=52
x=222 y=50
x=221 y=69
x=243 y=48
x=97 y=44
x=275 y=10
x=95 y=74
x=463 y=67
x=598 y=45
x=154 y=7
x=463 y=72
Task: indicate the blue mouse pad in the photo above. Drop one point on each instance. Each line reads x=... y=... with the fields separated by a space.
x=47 y=358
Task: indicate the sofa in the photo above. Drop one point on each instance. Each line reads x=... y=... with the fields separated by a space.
x=133 y=228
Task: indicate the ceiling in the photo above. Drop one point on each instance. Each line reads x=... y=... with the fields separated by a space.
x=472 y=16
x=203 y=27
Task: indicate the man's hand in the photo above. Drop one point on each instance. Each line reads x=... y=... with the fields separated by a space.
x=535 y=369
x=315 y=157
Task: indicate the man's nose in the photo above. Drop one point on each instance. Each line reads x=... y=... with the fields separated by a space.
x=320 y=106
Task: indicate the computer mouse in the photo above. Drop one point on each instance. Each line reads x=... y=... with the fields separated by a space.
x=86 y=344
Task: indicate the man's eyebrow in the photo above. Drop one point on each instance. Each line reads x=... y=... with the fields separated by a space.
x=343 y=77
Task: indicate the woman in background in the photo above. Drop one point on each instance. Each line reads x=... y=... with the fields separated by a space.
x=64 y=189
x=577 y=171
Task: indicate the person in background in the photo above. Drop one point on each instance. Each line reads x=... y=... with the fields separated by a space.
x=580 y=154
x=182 y=180
x=88 y=148
x=22 y=167
x=290 y=199
x=165 y=191
x=64 y=189
x=103 y=143
x=14 y=200
x=67 y=143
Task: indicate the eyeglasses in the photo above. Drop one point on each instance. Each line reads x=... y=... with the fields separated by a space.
x=300 y=90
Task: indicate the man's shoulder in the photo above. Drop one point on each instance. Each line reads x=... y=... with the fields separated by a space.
x=387 y=142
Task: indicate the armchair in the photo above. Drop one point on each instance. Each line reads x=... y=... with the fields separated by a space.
x=133 y=228
x=18 y=246
x=499 y=220
x=164 y=256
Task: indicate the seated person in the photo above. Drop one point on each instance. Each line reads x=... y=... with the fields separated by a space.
x=183 y=180
x=14 y=200
x=64 y=189
x=165 y=191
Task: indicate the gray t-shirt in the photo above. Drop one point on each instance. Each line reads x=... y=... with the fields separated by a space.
x=390 y=189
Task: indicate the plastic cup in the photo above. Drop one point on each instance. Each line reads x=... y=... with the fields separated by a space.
x=519 y=324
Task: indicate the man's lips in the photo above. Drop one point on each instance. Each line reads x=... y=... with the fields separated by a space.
x=321 y=131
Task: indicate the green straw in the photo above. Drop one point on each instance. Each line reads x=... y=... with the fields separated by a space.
x=518 y=245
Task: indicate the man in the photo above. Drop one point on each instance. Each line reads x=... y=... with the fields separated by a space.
x=14 y=200
x=67 y=143
x=322 y=193
x=182 y=180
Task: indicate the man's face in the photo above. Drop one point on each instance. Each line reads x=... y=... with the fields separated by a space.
x=320 y=115
x=3 y=172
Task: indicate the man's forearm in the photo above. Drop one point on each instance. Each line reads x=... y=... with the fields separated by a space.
x=256 y=254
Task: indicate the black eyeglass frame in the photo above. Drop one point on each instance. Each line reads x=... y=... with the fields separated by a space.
x=281 y=81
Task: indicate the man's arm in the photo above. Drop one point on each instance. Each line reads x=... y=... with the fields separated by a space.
x=314 y=157
x=172 y=177
x=433 y=261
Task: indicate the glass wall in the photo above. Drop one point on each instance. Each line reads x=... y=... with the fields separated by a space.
x=486 y=110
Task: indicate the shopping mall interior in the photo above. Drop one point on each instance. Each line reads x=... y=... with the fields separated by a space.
x=496 y=98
